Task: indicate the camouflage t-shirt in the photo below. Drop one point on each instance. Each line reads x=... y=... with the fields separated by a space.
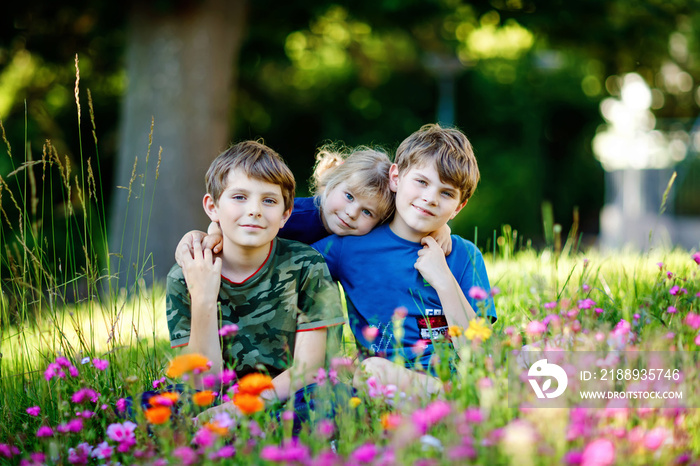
x=291 y=292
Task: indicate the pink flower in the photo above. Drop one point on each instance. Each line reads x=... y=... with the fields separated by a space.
x=338 y=363
x=320 y=377
x=460 y=453
x=186 y=454
x=102 y=451
x=400 y=313
x=660 y=264
x=370 y=333
x=73 y=371
x=697 y=340
x=431 y=415
x=44 y=431
x=535 y=328
x=53 y=370
x=209 y=381
x=84 y=394
x=325 y=429
x=585 y=287
x=37 y=457
x=598 y=310
x=80 y=454
x=473 y=415
x=75 y=425
x=226 y=451
x=100 y=364
x=669 y=275
x=8 y=451
x=158 y=382
x=655 y=438
x=290 y=452
x=586 y=303
x=34 y=411
x=122 y=432
x=600 y=452
x=377 y=390
x=550 y=305
x=204 y=438
x=671 y=310
x=696 y=258
x=419 y=347
x=364 y=453
x=494 y=291
x=121 y=405
x=477 y=293
x=63 y=362
x=674 y=290
x=227 y=376
x=228 y=330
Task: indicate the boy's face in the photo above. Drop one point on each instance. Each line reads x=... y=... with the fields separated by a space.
x=423 y=202
x=250 y=212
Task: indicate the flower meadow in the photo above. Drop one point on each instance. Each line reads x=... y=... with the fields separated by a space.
x=85 y=409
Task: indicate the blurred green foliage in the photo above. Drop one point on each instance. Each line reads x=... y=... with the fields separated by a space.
x=528 y=76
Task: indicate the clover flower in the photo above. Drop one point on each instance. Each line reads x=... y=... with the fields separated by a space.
x=34 y=411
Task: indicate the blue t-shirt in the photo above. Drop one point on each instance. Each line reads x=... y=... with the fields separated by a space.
x=305 y=223
x=377 y=274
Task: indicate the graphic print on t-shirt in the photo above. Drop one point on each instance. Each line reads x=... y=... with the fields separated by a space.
x=433 y=324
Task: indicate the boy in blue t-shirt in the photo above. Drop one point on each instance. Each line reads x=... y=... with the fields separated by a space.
x=398 y=268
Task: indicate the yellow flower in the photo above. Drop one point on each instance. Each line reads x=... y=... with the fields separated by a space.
x=187 y=363
x=204 y=398
x=455 y=331
x=354 y=402
x=478 y=330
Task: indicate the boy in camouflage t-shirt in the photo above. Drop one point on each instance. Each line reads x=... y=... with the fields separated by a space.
x=278 y=292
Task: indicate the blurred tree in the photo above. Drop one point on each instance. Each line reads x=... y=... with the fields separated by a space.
x=181 y=61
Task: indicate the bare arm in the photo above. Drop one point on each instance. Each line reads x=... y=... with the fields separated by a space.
x=203 y=276
x=433 y=267
x=309 y=356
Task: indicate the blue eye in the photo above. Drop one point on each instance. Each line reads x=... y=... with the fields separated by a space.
x=367 y=212
x=349 y=197
x=270 y=201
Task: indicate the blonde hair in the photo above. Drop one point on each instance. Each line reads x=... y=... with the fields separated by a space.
x=365 y=171
x=450 y=151
x=257 y=161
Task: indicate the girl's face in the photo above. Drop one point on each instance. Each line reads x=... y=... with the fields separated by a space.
x=345 y=213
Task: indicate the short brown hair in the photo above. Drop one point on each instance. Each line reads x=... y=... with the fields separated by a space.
x=450 y=151
x=257 y=161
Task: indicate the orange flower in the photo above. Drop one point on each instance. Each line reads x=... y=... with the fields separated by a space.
x=390 y=421
x=158 y=414
x=247 y=403
x=255 y=384
x=164 y=399
x=216 y=428
x=187 y=363
x=204 y=398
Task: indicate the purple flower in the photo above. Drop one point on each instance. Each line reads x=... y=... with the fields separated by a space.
x=586 y=303
x=660 y=264
x=600 y=452
x=431 y=415
x=102 y=451
x=63 y=362
x=121 y=405
x=75 y=425
x=226 y=451
x=290 y=452
x=320 y=377
x=364 y=453
x=209 y=381
x=228 y=330
x=696 y=258
x=671 y=310
x=461 y=452
x=550 y=305
x=227 y=376
x=44 y=431
x=325 y=429
x=73 y=371
x=674 y=290
x=477 y=293
x=573 y=457
x=158 y=382
x=34 y=411
x=186 y=454
x=204 y=438
x=100 y=364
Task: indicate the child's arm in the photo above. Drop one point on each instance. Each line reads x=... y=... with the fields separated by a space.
x=202 y=273
x=433 y=268
x=309 y=356
x=212 y=239
x=443 y=238
x=388 y=372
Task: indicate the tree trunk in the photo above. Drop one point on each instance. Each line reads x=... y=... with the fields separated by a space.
x=181 y=70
